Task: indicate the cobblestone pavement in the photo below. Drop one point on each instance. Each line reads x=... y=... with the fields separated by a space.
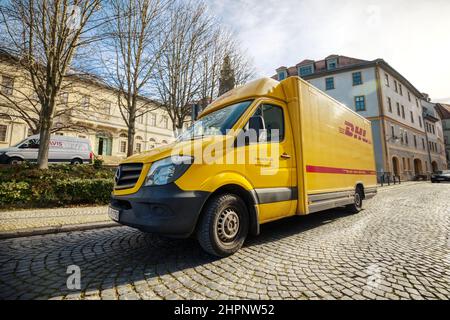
x=39 y=218
x=397 y=248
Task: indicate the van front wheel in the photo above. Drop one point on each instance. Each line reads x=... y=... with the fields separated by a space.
x=223 y=227
x=76 y=161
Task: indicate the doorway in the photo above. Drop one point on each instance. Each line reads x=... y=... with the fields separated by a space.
x=417 y=167
x=395 y=166
x=104 y=145
x=434 y=167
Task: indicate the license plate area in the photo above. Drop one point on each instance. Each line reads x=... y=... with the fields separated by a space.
x=114 y=214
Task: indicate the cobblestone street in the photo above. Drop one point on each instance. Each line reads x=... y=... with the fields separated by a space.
x=398 y=247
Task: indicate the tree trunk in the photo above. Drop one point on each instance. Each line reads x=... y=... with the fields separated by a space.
x=131 y=133
x=44 y=143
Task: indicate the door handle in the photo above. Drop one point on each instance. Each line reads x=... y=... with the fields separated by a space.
x=285 y=156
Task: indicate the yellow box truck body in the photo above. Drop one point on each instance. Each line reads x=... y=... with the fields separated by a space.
x=311 y=153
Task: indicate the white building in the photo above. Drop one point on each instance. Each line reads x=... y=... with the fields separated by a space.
x=381 y=94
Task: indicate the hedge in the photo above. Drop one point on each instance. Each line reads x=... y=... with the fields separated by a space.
x=27 y=187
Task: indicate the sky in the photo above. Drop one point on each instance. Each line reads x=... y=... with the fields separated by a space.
x=413 y=36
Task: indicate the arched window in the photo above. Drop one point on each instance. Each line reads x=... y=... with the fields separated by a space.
x=123 y=135
x=164 y=142
x=139 y=138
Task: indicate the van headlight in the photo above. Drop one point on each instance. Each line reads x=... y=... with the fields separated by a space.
x=168 y=170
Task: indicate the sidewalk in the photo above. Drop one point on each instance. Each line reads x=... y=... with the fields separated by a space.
x=402 y=184
x=43 y=221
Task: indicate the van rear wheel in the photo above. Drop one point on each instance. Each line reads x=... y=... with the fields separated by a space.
x=223 y=227
x=76 y=161
x=356 y=206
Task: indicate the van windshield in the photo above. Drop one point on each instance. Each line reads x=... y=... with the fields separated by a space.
x=215 y=123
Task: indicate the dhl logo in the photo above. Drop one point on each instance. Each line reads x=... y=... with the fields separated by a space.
x=355 y=132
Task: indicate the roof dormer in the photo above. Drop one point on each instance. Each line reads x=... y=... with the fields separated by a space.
x=332 y=62
x=305 y=68
x=282 y=73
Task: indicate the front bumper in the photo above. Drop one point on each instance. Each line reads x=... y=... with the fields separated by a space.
x=165 y=209
x=4 y=159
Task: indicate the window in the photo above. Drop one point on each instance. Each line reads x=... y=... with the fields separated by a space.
x=398 y=109
x=273 y=120
x=106 y=108
x=400 y=89
x=329 y=83
x=138 y=147
x=420 y=121
x=415 y=141
x=417 y=103
x=152 y=119
x=3 y=132
x=164 y=122
x=423 y=143
x=331 y=64
x=392 y=131
x=360 y=103
x=123 y=146
x=409 y=96
x=412 y=116
x=395 y=86
x=403 y=111
x=123 y=135
x=386 y=79
x=64 y=98
x=357 y=78
x=7 y=85
x=304 y=71
x=59 y=134
x=85 y=101
x=434 y=129
x=390 y=105
x=282 y=75
x=406 y=138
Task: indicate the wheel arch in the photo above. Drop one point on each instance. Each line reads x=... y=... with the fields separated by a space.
x=248 y=196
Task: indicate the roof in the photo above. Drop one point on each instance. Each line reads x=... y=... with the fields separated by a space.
x=346 y=63
x=443 y=110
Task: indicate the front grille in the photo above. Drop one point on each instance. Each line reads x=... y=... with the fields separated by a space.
x=127 y=175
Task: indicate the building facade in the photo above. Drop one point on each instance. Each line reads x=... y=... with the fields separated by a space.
x=444 y=113
x=393 y=105
x=89 y=107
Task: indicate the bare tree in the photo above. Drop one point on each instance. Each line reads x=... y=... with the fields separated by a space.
x=133 y=28
x=20 y=101
x=45 y=36
x=189 y=69
x=178 y=78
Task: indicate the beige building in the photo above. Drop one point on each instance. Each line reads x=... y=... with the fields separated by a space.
x=87 y=108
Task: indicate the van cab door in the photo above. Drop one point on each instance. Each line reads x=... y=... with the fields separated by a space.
x=29 y=149
x=270 y=161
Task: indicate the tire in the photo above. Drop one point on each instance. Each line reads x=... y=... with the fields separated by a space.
x=223 y=226
x=14 y=161
x=356 y=206
x=76 y=161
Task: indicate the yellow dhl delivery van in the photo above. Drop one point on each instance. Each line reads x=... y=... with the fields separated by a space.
x=279 y=149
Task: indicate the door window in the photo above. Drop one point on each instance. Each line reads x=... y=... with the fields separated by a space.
x=273 y=122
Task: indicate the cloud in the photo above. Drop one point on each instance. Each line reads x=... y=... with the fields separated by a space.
x=413 y=36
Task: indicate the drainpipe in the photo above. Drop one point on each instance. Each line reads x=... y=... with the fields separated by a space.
x=426 y=138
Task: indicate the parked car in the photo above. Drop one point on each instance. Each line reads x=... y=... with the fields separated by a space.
x=440 y=176
x=62 y=150
x=324 y=158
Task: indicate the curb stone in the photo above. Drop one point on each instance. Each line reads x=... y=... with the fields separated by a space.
x=56 y=229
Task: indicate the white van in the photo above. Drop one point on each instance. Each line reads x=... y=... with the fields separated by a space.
x=62 y=149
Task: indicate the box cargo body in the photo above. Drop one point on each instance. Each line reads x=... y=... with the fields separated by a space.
x=334 y=151
x=323 y=159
